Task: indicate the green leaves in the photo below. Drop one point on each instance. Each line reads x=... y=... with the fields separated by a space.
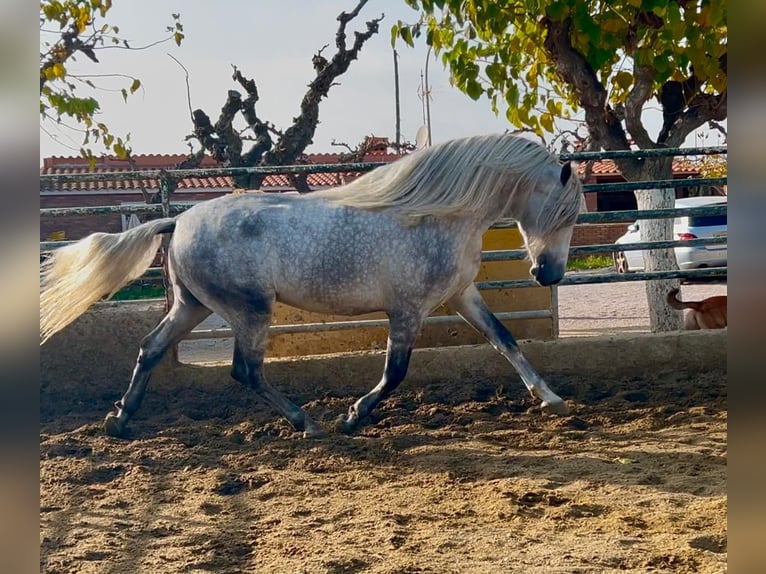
x=546 y=121
x=133 y=87
x=80 y=33
x=177 y=29
x=56 y=70
x=473 y=89
x=496 y=73
x=403 y=31
x=623 y=79
x=499 y=49
x=406 y=34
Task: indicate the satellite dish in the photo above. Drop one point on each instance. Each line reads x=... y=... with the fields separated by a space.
x=421 y=138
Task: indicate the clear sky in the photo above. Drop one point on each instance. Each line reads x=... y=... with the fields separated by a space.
x=272 y=42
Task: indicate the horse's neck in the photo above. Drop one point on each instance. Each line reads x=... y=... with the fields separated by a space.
x=482 y=224
x=513 y=209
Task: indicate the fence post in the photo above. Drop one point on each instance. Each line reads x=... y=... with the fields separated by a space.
x=168 y=185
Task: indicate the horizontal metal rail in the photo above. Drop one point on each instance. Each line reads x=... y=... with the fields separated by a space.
x=519 y=254
x=703 y=273
x=638 y=246
x=602 y=187
x=179 y=174
x=596 y=217
x=175 y=209
x=641 y=153
x=578 y=279
x=638 y=214
x=362 y=323
x=654 y=184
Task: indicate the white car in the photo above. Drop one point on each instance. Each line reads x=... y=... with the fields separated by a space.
x=686 y=227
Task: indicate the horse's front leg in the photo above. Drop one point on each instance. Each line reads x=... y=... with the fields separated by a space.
x=471 y=307
x=403 y=331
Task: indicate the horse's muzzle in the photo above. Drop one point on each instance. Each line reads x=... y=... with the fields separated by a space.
x=546 y=272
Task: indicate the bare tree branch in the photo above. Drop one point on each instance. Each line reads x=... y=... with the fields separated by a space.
x=530 y=131
x=702 y=109
x=298 y=136
x=232 y=143
x=634 y=105
x=713 y=125
x=351 y=150
x=344 y=18
x=225 y=144
x=186 y=79
x=604 y=125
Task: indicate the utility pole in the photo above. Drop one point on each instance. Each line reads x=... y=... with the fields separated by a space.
x=427 y=95
x=396 y=97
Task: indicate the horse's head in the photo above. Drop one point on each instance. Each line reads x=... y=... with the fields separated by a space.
x=547 y=220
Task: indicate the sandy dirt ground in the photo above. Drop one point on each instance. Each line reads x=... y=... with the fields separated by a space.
x=441 y=480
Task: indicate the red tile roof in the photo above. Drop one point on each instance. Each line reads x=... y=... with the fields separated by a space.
x=78 y=165
x=109 y=164
x=681 y=167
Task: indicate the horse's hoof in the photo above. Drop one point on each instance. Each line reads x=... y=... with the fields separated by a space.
x=342 y=425
x=313 y=430
x=555 y=408
x=113 y=426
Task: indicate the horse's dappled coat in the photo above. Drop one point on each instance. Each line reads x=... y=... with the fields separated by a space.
x=401 y=239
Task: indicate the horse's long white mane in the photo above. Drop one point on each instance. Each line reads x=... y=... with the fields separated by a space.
x=478 y=175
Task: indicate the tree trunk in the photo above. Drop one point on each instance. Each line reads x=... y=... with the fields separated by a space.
x=661 y=316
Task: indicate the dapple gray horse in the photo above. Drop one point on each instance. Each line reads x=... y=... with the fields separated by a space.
x=403 y=239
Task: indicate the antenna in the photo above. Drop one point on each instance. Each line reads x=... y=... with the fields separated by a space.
x=424 y=92
x=427 y=94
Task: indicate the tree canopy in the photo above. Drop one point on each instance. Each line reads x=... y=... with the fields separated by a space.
x=548 y=59
x=70 y=29
x=602 y=60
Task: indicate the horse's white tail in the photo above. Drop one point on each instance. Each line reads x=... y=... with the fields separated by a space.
x=78 y=275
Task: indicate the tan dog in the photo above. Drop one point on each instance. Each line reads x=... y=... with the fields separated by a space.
x=709 y=313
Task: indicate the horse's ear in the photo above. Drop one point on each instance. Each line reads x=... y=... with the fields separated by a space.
x=566 y=172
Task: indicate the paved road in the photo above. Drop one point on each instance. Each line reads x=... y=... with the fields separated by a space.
x=604 y=308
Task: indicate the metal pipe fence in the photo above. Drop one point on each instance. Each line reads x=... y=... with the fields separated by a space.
x=168 y=180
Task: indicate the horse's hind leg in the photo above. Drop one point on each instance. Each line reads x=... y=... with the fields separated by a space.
x=185 y=314
x=247 y=368
x=401 y=339
x=471 y=307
